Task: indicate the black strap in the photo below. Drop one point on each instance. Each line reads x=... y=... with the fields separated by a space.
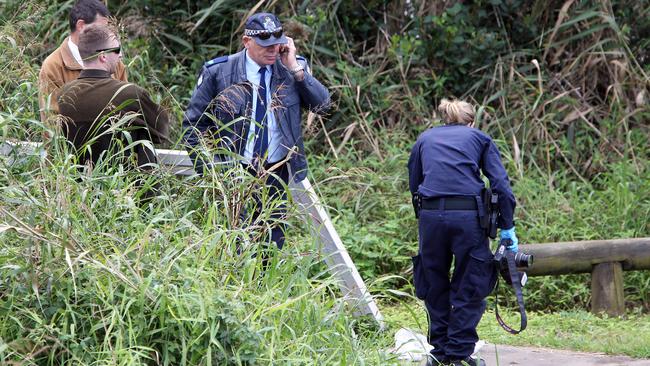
x=516 y=285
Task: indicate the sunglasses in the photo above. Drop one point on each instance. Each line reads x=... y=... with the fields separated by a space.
x=112 y=49
x=266 y=35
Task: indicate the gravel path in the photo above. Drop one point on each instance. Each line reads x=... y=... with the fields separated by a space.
x=532 y=356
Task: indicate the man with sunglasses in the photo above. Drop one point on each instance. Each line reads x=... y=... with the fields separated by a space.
x=103 y=115
x=65 y=63
x=250 y=104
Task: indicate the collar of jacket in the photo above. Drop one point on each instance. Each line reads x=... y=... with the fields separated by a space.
x=94 y=73
x=278 y=75
x=66 y=56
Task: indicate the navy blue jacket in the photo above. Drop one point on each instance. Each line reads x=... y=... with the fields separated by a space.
x=223 y=91
x=448 y=161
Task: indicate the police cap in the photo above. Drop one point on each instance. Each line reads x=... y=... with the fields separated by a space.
x=265 y=28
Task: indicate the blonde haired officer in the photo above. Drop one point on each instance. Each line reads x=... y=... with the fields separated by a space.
x=445 y=169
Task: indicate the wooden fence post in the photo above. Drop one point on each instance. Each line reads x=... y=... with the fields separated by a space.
x=604 y=259
x=607 y=289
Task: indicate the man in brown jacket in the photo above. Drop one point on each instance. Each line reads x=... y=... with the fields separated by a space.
x=65 y=63
x=107 y=119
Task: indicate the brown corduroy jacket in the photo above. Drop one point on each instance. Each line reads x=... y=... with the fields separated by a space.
x=60 y=67
x=103 y=115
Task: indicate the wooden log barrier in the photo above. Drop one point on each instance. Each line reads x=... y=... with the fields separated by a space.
x=604 y=259
x=335 y=255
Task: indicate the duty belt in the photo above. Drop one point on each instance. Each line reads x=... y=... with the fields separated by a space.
x=449 y=203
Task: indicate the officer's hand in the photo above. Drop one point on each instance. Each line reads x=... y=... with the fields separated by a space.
x=510 y=234
x=288 y=54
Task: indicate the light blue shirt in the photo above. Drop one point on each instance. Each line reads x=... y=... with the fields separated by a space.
x=275 y=135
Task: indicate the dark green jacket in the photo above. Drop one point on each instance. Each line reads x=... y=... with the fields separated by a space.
x=102 y=116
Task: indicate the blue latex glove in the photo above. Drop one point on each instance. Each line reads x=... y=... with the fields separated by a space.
x=510 y=234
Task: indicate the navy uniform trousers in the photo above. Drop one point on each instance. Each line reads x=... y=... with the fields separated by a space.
x=275 y=183
x=455 y=307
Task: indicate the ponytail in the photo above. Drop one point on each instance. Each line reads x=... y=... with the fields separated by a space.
x=456 y=112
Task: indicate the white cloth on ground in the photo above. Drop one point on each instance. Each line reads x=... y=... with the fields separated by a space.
x=413 y=346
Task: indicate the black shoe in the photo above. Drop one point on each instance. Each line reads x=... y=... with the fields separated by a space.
x=469 y=361
x=431 y=360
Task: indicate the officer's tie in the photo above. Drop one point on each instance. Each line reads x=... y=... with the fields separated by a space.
x=262 y=135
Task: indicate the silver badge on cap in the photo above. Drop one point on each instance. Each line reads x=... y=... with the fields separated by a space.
x=268 y=24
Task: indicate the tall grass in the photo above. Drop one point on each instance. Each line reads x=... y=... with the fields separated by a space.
x=177 y=281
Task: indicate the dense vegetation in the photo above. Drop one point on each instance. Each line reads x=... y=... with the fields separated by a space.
x=89 y=276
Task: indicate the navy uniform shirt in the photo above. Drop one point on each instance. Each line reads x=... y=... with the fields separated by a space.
x=221 y=107
x=448 y=161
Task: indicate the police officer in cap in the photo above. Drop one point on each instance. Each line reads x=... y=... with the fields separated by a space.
x=445 y=169
x=256 y=97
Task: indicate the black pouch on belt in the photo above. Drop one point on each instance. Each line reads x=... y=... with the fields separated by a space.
x=490 y=206
x=419 y=278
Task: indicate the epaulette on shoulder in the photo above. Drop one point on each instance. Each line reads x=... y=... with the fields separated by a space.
x=215 y=61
